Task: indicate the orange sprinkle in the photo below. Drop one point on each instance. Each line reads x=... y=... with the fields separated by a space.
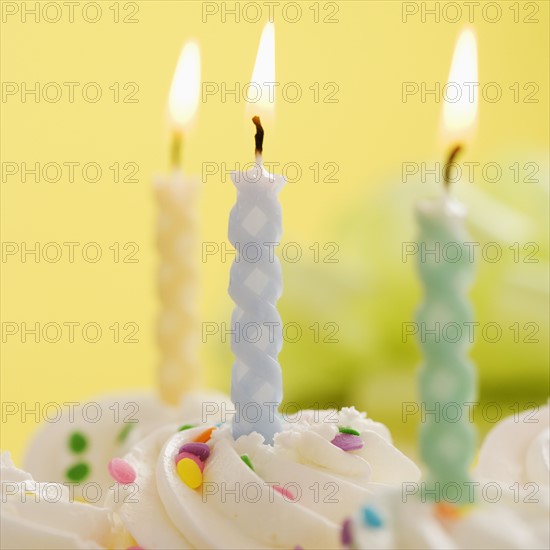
x=204 y=436
x=447 y=511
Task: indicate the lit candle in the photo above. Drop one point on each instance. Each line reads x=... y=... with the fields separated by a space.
x=255 y=282
x=447 y=377
x=177 y=243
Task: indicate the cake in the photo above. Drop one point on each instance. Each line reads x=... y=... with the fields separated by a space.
x=77 y=448
x=509 y=509
x=44 y=515
x=201 y=488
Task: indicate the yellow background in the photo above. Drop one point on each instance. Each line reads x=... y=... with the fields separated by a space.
x=369 y=132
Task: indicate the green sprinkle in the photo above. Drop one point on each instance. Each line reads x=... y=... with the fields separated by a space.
x=247 y=461
x=344 y=430
x=78 y=472
x=185 y=427
x=121 y=438
x=78 y=442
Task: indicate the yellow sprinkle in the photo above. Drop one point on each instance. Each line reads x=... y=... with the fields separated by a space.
x=189 y=472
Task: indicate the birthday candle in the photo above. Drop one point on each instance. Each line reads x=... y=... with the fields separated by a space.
x=177 y=241
x=255 y=285
x=447 y=377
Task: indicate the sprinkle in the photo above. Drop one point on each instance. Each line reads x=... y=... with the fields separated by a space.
x=285 y=492
x=298 y=547
x=247 y=461
x=78 y=442
x=185 y=427
x=195 y=458
x=123 y=434
x=371 y=517
x=348 y=442
x=189 y=472
x=344 y=430
x=121 y=471
x=345 y=535
x=202 y=450
x=134 y=548
x=447 y=511
x=205 y=436
x=78 y=472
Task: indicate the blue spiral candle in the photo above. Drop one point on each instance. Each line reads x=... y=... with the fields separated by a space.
x=255 y=227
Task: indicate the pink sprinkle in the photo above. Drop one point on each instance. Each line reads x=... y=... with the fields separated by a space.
x=348 y=442
x=285 y=492
x=193 y=457
x=121 y=471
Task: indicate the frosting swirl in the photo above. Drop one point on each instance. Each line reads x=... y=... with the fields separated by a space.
x=43 y=515
x=517 y=450
x=77 y=447
x=388 y=521
x=513 y=460
x=254 y=495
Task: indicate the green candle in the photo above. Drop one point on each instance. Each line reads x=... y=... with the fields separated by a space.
x=447 y=377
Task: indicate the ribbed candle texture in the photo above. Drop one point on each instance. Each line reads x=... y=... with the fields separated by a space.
x=255 y=227
x=177 y=239
x=447 y=377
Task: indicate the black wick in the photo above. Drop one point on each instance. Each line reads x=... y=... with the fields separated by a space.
x=259 y=137
x=450 y=160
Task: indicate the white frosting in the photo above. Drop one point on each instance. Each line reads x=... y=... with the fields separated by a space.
x=514 y=457
x=42 y=515
x=327 y=483
x=49 y=456
x=410 y=523
x=516 y=450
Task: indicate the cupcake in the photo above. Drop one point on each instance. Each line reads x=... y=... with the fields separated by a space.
x=45 y=515
x=510 y=500
x=77 y=448
x=201 y=488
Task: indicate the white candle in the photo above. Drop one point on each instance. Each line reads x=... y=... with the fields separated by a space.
x=177 y=240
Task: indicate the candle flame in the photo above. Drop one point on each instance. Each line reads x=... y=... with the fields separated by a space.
x=260 y=95
x=461 y=98
x=185 y=89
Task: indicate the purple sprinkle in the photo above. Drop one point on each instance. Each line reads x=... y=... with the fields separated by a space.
x=202 y=450
x=348 y=442
x=345 y=535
